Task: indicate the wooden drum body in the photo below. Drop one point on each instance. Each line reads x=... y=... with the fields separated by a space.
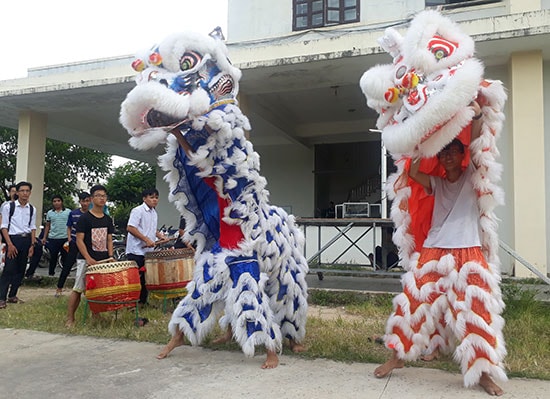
x=169 y=271
x=116 y=283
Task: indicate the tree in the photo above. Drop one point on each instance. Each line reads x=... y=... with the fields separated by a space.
x=65 y=165
x=8 y=149
x=125 y=186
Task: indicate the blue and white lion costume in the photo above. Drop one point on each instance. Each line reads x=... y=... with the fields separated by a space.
x=249 y=263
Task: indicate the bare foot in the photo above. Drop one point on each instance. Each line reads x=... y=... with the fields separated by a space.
x=226 y=337
x=175 y=341
x=393 y=363
x=272 y=360
x=69 y=324
x=489 y=385
x=430 y=356
x=296 y=347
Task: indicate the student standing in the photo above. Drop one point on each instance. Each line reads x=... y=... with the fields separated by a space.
x=142 y=234
x=94 y=239
x=55 y=232
x=84 y=201
x=18 y=229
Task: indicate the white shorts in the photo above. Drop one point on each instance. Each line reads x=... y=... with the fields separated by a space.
x=80 y=278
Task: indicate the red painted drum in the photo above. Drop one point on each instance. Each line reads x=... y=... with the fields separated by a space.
x=116 y=283
x=168 y=271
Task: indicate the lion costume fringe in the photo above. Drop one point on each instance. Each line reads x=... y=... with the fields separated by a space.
x=249 y=262
x=451 y=301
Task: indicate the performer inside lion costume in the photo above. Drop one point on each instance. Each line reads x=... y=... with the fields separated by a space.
x=424 y=100
x=249 y=263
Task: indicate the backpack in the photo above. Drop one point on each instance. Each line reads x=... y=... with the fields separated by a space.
x=12 y=210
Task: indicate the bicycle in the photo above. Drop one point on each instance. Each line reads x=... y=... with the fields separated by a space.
x=45 y=260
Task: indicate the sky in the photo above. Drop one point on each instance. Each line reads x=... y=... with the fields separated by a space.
x=49 y=32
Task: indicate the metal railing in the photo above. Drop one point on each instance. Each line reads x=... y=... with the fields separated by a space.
x=523 y=261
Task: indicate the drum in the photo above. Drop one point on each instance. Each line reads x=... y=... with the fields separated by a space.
x=168 y=271
x=116 y=283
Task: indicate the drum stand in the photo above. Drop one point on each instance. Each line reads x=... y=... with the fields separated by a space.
x=167 y=294
x=134 y=302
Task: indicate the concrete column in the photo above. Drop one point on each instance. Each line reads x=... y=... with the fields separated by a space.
x=31 y=151
x=527 y=121
x=245 y=108
x=167 y=212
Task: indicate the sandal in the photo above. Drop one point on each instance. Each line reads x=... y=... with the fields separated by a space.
x=3 y=305
x=58 y=292
x=142 y=321
x=14 y=299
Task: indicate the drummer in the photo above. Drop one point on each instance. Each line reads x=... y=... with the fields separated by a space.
x=142 y=234
x=94 y=239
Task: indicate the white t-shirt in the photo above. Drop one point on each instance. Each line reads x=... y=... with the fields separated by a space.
x=21 y=221
x=455 y=217
x=144 y=219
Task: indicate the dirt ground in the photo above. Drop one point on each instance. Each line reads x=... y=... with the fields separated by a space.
x=324 y=312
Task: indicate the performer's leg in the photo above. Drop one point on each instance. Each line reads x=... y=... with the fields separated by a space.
x=487 y=383
x=440 y=340
x=296 y=347
x=175 y=341
x=392 y=363
x=286 y=286
x=412 y=325
x=198 y=312
x=226 y=337
x=271 y=361
x=247 y=309
x=287 y=290
x=477 y=324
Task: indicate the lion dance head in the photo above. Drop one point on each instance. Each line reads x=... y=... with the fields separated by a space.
x=423 y=96
x=179 y=80
x=423 y=99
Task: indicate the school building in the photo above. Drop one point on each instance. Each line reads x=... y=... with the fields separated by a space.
x=301 y=62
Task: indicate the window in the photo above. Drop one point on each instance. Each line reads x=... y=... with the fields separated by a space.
x=310 y=14
x=449 y=4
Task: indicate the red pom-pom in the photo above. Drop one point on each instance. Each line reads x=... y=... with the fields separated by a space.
x=138 y=65
x=91 y=284
x=391 y=95
x=155 y=59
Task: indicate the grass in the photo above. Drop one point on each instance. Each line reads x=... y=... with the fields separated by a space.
x=348 y=337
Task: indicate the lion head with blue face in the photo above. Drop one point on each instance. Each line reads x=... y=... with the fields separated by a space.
x=184 y=77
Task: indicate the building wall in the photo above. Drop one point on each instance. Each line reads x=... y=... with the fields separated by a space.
x=274 y=18
x=268 y=19
x=289 y=173
x=241 y=27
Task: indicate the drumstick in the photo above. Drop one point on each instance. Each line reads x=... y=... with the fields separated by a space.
x=159 y=242
x=111 y=259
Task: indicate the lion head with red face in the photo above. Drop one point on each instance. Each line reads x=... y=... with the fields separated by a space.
x=423 y=96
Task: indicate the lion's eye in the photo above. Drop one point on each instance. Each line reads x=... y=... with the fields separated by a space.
x=440 y=53
x=441 y=48
x=189 y=60
x=153 y=76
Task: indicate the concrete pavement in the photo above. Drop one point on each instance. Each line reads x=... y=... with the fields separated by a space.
x=41 y=365
x=37 y=365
